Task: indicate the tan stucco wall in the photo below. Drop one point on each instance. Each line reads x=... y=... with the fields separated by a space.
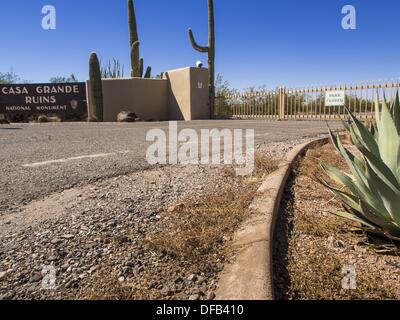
x=199 y=94
x=188 y=94
x=145 y=97
x=177 y=96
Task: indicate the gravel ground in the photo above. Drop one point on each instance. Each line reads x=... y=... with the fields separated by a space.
x=96 y=236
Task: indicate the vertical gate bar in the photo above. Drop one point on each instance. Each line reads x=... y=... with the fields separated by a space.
x=271 y=104
x=280 y=103
x=264 y=106
x=330 y=108
x=284 y=106
x=361 y=101
x=355 y=88
x=261 y=106
x=315 y=102
x=366 y=100
x=373 y=98
x=320 y=102
x=391 y=95
x=247 y=106
x=276 y=101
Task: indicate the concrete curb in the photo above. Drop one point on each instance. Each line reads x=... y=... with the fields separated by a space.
x=250 y=276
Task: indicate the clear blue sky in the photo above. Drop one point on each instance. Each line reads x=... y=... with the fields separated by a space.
x=281 y=42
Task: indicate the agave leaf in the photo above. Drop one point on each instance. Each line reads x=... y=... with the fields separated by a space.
x=341 y=178
x=358 y=143
x=349 y=199
x=390 y=198
x=356 y=166
x=363 y=134
x=396 y=112
x=354 y=218
x=376 y=203
x=364 y=210
x=382 y=223
x=374 y=131
x=388 y=140
x=381 y=169
x=337 y=143
x=377 y=112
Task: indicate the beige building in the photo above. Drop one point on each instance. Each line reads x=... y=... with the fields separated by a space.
x=181 y=95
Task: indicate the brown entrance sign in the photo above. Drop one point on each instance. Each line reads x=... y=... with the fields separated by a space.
x=61 y=98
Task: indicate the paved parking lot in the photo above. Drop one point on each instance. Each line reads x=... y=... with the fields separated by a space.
x=39 y=159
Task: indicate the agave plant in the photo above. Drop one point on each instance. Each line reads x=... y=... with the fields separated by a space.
x=371 y=193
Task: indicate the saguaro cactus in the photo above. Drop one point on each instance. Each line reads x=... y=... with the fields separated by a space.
x=134 y=44
x=210 y=49
x=96 y=87
x=133 y=40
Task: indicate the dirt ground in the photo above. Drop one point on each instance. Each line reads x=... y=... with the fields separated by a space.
x=321 y=256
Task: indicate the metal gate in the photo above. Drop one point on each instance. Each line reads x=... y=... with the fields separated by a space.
x=306 y=103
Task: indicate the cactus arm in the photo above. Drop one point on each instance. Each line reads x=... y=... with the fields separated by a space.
x=133 y=34
x=147 y=75
x=210 y=49
x=133 y=40
x=194 y=43
x=135 y=54
x=141 y=67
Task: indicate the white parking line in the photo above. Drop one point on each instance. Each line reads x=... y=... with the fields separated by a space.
x=63 y=160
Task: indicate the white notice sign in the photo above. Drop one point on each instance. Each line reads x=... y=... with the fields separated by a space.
x=335 y=98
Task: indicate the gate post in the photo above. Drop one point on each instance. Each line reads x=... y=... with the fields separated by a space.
x=282 y=91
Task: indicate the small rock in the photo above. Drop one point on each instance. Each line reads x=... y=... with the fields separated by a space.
x=178 y=280
x=210 y=296
x=67 y=236
x=200 y=280
x=92 y=269
x=3 y=275
x=194 y=297
x=42 y=119
x=167 y=292
x=176 y=207
x=56 y=241
x=126 y=116
x=36 y=278
x=73 y=283
x=112 y=224
x=121 y=279
x=192 y=278
x=340 y=244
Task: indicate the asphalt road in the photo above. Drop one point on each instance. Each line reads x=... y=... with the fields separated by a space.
x=39 y=159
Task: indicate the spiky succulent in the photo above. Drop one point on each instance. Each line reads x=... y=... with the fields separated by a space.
x=372 y=191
